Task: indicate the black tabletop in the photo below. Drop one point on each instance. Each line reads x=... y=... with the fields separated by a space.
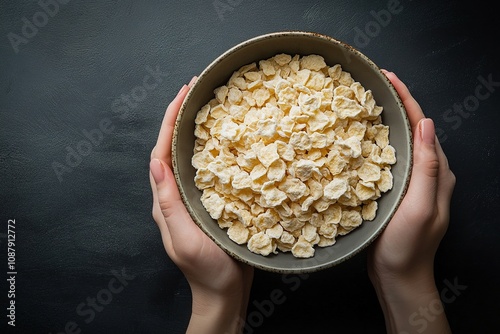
x=84 y=85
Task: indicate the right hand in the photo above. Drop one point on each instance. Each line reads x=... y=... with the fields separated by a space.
x=407 y=247
x=401 y=260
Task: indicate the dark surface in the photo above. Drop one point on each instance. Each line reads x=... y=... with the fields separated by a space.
x=73 y=233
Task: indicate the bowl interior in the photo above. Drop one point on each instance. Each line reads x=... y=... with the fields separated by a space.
x=362 y=70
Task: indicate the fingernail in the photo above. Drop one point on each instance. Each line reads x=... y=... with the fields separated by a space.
x=386 y=72
x=181 y=90
x=157 y=170
x=427 y=131
x=193 y=80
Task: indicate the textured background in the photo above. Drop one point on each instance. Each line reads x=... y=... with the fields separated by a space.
x=75 y=232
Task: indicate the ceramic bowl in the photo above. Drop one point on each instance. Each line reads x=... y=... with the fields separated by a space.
x=334 y=52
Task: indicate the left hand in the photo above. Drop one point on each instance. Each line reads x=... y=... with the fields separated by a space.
x=218 y=282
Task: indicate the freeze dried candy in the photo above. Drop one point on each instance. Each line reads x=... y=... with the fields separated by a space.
x=291 y=153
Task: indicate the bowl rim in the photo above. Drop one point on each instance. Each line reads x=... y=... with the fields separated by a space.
x=408 y=170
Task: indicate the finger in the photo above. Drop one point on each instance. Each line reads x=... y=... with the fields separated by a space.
x=181 y=227
x=447 y=179
x=156 y=205
x=424 y=180
x=163 y=148
x=413 y=109
x=158 y=216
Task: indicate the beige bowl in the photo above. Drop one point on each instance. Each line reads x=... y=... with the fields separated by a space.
x=362 y=70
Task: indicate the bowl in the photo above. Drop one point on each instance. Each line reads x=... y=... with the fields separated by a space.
x=334 y=51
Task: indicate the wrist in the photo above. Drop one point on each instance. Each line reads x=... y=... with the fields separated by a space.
x=221 y=313
x=411 y=304
x=402 y=285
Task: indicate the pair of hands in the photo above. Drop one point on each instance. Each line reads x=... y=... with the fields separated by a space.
x=400 y=262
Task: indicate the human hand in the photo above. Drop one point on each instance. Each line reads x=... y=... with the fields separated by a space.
x=401 y=260
x=219 y=284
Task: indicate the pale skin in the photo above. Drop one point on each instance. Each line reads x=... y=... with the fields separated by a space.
x=400 y=261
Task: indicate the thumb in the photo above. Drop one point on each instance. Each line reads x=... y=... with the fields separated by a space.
x=424 y=181
x=178 y=221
